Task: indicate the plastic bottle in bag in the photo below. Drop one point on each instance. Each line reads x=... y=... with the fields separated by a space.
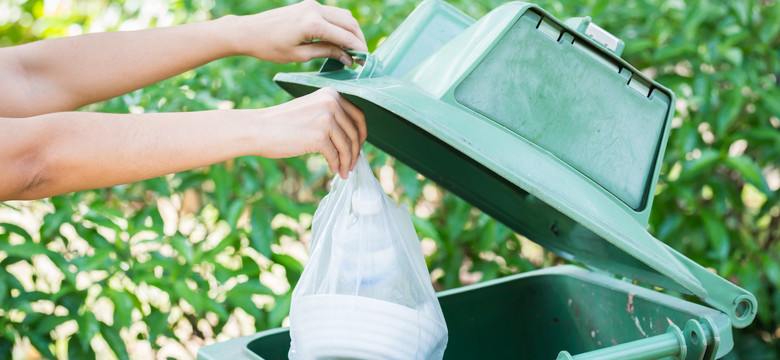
x=365 y=292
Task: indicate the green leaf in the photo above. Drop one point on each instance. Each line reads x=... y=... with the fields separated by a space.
x=452 y=269
x=14 y=229
x=23 y=301
x=191 y=179
x=698 y=167
x=14 y=208
x=728 y=114
x=101 y=219
x=115 y=342
x=280 y=310
x=230 y=240
x=283 y=204
x=49 y=322
x=293 y=268
x=190 y=296
x=245 y=303
x=217 y=308
x=669 y=226
x=734 y=56
x=261 y=235
x=771 y=101
x=25 y=250
x=158 y=324
x=248 y=288
x=88 y=328
x=159 y=185
x=183 y=246
x=487 y=237
x=249 y=267
x=98 y=260
x=72 y=300
x=426 y=229
x=123 y=307
x=718 y=235
x=6 y=347
x=40 y=342
x=92 y=236
x=3 y=289
x=234 y=212
x=408 y=179
x=671 y=51
x=769 y=136
x=749 y=171
x=52 y=222
x=299 y=164
x=272 y=176
x=457 y=217
x=772 y=269
x=222 y=185
x=77 y=351
x=769 y=30
x=740 y=8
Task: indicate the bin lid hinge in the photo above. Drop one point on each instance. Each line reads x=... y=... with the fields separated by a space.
x=694 y=342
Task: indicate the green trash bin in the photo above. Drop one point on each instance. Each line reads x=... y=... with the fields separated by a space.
x=540 y=124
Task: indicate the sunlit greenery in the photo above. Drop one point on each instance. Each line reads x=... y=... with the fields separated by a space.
x=163 y=266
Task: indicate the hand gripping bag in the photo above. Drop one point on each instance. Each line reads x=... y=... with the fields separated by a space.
x=365 y=292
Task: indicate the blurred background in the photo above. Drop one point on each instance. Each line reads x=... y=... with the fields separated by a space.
x=158 y=268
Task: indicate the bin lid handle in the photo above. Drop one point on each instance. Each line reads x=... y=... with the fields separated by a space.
x=584 y=26
x=372 y=66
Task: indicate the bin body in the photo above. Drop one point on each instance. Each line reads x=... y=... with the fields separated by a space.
x=541 y=125
x=533 y=315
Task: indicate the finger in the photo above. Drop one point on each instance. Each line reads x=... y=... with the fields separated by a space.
x=350 y=129
x=357 y=116
x=331 y=156
x=343 y=18
x=356 y=125
x=341 y=142
x=352 y=134
x=340 y=37
x=325 y=49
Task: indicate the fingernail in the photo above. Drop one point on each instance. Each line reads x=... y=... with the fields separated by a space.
x=346 y=60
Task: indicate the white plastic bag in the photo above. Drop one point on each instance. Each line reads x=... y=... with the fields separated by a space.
x=365 y=292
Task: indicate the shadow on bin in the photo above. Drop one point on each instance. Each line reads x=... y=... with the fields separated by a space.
x=540 y=124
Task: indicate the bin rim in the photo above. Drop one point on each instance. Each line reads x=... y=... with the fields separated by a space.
x=527 y=167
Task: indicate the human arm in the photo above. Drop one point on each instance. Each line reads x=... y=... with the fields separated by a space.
x=67 y=73
x=57 y=153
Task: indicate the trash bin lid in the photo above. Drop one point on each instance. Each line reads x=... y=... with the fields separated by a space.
x=537 y=122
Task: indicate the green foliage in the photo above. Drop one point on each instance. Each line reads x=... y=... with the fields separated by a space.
x=199 y=248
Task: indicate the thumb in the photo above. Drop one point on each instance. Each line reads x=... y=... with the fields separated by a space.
x=325 y=49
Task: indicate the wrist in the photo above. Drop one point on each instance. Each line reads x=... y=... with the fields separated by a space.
x=229 y=33
x=250 y=129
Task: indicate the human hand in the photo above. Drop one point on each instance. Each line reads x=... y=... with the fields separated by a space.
x=322 y=122
x=288 y=34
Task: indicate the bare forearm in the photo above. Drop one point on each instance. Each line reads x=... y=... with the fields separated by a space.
x=67 y=73
x=63 y=152
x=53 y=154
x=45 y=152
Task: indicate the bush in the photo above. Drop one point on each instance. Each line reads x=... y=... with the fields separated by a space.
x=189 y=256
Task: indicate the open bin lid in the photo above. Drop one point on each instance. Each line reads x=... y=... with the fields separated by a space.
x=538 y=123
